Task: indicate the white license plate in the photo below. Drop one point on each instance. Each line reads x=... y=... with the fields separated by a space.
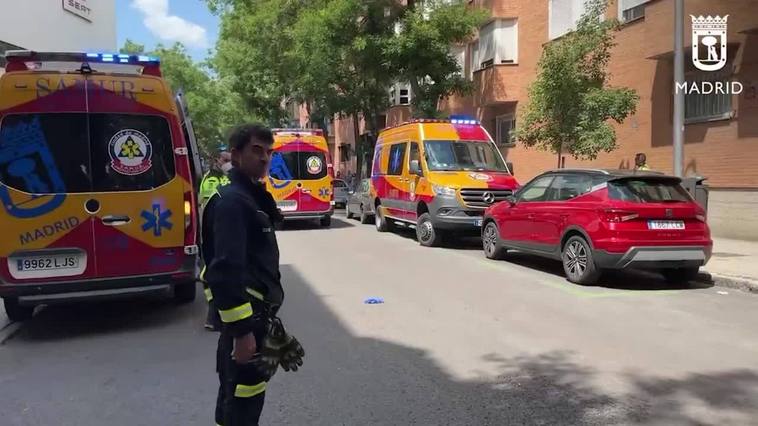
x=47 y=265
x=665 y=224
x=478 y=222
x=287 y=206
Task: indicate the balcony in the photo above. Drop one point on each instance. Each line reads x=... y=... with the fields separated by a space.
x=497 y=84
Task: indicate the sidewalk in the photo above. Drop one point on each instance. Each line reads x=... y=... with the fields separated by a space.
x=734 y=264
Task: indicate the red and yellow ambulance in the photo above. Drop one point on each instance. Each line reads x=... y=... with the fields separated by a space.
x=437 y=176
x=301 y=175
x=98 y=166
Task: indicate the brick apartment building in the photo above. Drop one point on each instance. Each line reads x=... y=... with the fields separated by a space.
x=721 y=131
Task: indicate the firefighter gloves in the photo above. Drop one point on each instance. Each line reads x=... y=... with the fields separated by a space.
x=279 y=348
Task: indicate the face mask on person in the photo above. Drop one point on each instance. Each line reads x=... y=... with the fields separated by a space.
x=226 y=167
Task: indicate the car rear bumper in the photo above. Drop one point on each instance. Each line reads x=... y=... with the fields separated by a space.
x=654 y=257
x=98 y=289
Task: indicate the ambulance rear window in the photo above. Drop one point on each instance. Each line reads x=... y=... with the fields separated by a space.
x=298 y=165
x=130 y=152
x=45 y=153
x=50 y=153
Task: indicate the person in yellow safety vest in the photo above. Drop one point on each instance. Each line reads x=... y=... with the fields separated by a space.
x=640 y=162
x=216 y=176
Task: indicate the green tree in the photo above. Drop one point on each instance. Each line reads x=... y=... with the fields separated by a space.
x=421 y=51
x=570 y=102
x=213 y=105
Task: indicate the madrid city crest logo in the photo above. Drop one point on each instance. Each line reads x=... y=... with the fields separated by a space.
x=709 y=42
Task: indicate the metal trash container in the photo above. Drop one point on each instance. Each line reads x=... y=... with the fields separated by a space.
x=696 y=187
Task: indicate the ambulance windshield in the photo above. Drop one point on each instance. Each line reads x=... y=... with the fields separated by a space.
x=463 y=156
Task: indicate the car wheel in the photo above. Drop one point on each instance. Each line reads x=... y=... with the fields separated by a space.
x=382 y=224
x=326 y=221
x=347 y=211
x=490 y=242
x=365 y=218
x=578 y=262
x=185 y=293
x=425 y=233
x=680 y=275
x=15 y=311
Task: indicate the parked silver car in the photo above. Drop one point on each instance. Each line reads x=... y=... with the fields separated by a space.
x=340 y=193
x=359 y=202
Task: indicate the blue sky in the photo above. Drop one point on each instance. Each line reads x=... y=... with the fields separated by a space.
x=150 y=22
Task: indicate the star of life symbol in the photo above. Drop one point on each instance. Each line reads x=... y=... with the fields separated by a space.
x=156 y=220
x=709 y=42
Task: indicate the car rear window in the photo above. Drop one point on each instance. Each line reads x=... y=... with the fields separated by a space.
x=298 y=165
x=340 y=184
x=647 y=191
x=75 y=152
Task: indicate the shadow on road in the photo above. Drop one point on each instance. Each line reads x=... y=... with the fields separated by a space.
x=66 y=321
x=350 y=379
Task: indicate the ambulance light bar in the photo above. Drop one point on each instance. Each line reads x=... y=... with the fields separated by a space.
x=19 y=60
x=299 y=132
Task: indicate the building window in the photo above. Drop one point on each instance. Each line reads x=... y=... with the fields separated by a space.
x=707 y=107
x=504 y=127
x=405 y=98
x=563 y=16
x=498 y=43
x=459 y=53
x=631 y=10
x=473 y=63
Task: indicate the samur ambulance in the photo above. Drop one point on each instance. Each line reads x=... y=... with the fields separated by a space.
x=301 y=175
x=437 y=176
x=97 y=169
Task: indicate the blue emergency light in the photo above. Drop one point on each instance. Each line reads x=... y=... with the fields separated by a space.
x=122 y=58
x=462 y=119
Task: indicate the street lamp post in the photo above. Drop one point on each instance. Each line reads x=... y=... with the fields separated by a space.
x=678 y=94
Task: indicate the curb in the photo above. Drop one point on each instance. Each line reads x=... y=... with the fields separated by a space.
x=8 y=330
x=745 y=284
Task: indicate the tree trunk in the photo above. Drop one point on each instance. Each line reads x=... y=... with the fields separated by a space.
x=560 y=151
x=356 y=134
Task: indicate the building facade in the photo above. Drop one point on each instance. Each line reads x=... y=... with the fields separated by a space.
x=721 y=130
x=58 y=25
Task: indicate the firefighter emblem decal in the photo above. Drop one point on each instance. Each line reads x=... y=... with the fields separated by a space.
x=130 y=152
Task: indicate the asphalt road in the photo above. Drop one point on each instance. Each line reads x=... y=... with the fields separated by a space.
x=460 y=340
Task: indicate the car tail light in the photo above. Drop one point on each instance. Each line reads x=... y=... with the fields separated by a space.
x=618 y=216
x=187 y=214
x=701 y=218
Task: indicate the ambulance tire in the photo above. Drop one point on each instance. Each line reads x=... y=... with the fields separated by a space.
x=381 y=222
x=15 y=311
x=185 y=292
x=326 y=221
x=426 y=234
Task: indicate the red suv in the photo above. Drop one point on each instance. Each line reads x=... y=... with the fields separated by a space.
x=603 y=219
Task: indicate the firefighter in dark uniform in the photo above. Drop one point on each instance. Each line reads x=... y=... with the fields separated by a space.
x=240 y=247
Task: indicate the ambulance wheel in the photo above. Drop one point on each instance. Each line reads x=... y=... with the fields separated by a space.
x=426 y=234
x=381 y=222
x=185 y=293
x=15 y=311
x=326 y=221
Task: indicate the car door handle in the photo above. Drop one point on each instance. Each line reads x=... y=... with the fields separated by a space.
x=116 y=220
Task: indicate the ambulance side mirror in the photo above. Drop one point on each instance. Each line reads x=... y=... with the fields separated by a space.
x=416 y=168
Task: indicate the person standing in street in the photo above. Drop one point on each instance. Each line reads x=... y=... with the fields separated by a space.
x=640 y=162
x=240 y=246
x=217 y=175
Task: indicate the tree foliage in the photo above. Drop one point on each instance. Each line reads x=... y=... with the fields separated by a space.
x=570 y=102
x=340 y=57
x=213 y=104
